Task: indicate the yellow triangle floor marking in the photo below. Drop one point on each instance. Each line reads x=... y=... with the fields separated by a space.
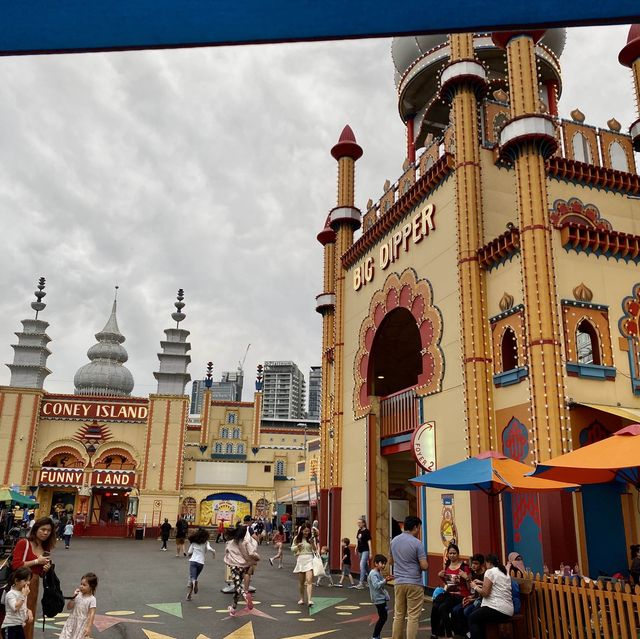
x=156 y=635
x=202 y=637
x=311 y=635
x=245 y=632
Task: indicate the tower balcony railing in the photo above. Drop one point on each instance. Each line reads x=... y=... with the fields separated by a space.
x=398 y=413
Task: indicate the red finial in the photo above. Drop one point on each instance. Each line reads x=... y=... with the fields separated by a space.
x=631 y=52
x=347 y=146
x=327 y=235
x=501 y=38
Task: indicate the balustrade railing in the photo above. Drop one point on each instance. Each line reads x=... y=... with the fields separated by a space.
x=398 y=413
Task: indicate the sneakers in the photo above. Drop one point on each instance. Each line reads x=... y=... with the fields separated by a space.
x=300 y=602
x=163 y=549
x=339 y=586
x=271 y=561
x=195 y=587
x=353 y=586
x=189 y=591
x=359 y=587
x=310 y=604
x=249 y=599
x=232 y=611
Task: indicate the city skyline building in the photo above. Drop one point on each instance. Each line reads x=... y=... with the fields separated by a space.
x=228 y=389
x=284 y=391
x=315 y=392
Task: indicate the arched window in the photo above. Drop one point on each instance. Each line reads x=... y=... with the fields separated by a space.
x=225 y=432
x=509 y=350
x=229 y=449
x=587 y=346
x=240 y=449
x=218 y=448
x=581 y=149
x=236 y=433
x=280 y=468
x=618 y=157
x=231 y=418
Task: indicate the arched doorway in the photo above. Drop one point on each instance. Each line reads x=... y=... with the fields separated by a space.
x=395 y=362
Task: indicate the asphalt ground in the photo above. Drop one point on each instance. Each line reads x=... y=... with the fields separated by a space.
x=142 y=595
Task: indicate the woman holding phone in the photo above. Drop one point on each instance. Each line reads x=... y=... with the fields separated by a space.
x=33 y=552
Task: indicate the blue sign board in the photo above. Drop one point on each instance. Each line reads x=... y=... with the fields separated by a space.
x=58 y=26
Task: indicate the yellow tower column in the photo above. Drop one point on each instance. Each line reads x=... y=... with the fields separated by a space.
x=326 y=306
x=461 y=82
x=528 y=139
x=630 y=57
x=344 y=219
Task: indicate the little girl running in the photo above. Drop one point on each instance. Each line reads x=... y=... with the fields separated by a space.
x=199 y=544
x=83 y=609
x=278 y=541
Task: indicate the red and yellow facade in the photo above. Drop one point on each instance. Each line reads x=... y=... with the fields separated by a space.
x=494 y=293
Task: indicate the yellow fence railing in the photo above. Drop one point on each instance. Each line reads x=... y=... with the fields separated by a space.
x=571 y=607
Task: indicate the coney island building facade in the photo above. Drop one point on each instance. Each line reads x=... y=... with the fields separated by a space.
x=489 y=302
x=106 y=456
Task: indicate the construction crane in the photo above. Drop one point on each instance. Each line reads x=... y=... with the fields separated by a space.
x=241 y=363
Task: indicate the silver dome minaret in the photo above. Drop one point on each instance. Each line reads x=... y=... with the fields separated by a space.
x=105 y=374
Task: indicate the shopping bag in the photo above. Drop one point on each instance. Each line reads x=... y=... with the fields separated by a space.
x=318 y=568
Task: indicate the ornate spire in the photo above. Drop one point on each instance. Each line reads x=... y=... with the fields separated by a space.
x=173 y=376
x=29 y=369
x=179 y=315
x=39 y=305
x=105 y=373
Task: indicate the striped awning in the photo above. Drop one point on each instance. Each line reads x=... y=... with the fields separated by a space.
x=298 y=494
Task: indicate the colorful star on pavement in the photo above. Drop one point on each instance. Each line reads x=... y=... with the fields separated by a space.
x=243 y=612
x=174 y=609
x=104 y=622
x=372 y=619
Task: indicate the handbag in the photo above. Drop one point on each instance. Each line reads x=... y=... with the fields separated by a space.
x=6 y=569
x=318 y=566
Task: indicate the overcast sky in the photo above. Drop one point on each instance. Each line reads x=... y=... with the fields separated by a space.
x=208 y=170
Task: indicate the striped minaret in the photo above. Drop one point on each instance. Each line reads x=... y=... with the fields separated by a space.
x=461 y=82
x=527 y=140
x=344 y=219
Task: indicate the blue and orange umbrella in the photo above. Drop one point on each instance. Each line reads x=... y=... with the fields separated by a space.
x=490 y=472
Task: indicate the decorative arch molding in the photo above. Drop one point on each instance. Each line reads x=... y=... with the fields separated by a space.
x=408 y=292
x=629 y=327
x=118 y=448
x=574 y=211
x=113 y=451
x=64 y=446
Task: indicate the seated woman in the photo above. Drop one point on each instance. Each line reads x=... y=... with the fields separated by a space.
x=455 y=575
x=497 y=602
x=515 y=566
x=461 y=612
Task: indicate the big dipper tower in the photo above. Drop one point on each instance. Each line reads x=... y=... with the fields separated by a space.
x=337 y=237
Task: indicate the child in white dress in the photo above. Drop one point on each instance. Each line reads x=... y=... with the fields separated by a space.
x=83 y=609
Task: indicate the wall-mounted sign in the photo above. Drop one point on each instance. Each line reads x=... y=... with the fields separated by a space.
x=423 y=445
x=105 y=478
x=61 y=476
x=390 y=250
x=104 y=411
